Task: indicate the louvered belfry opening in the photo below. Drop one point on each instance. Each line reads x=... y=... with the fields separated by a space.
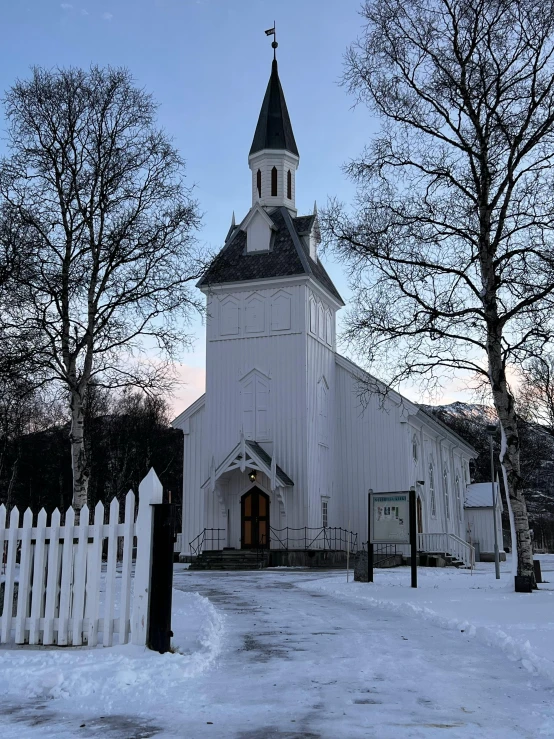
x=259 y=182
x=274 y=182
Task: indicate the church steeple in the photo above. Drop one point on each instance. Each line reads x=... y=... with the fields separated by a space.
x=274 y=129
x=273 y=156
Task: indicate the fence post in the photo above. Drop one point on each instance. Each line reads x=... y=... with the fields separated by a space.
x=161 y=579
x=150 y=492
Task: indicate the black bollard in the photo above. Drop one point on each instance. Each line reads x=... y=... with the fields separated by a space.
x=523 y=584
x=537 y=568
x=161 y=579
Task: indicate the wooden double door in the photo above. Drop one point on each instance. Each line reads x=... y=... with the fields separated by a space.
x=254 y=519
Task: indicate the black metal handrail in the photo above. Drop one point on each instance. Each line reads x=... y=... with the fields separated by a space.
x=197 y=545
x=381 y=553
x=331 y=538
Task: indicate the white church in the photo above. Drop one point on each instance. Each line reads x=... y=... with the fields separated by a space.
x=281 y=450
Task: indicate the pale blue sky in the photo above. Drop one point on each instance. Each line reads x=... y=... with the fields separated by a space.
x=207 y=63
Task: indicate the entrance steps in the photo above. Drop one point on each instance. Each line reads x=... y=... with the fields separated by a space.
x=438 y=559
x=231 y=559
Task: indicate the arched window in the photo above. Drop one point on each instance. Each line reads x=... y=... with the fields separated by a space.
x=256 y=411
x=259 y=182
x=415 y=450
x=274 y=182
x=433 y=504
x=289 y=185
x=458 y=496
x=446 y=493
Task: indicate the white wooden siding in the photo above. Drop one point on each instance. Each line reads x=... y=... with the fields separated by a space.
x=195 y=472
x=480 y=528
x=369 y=452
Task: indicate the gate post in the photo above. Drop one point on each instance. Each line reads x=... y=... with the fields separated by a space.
x=150 y=492
x=161 y=579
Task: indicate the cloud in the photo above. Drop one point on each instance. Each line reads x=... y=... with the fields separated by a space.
x=66 y=6
x=84 y=12
x=107 y=16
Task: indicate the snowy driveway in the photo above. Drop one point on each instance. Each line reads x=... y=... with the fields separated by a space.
x=299 y=664
x=285 y=663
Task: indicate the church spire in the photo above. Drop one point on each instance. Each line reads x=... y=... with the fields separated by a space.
x=274 y=129
x=273 y=156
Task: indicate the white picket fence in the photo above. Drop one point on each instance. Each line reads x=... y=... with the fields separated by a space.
x=54 y=595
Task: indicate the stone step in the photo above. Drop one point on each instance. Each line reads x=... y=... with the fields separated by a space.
x=231 y=559
x=225 y=567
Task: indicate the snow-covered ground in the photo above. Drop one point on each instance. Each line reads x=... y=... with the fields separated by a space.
x=474 y=603
x=292 y=654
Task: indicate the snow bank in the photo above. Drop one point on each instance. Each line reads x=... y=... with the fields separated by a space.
x=112 y=677
x=477 y=605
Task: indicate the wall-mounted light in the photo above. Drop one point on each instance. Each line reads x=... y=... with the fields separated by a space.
x=252 y=475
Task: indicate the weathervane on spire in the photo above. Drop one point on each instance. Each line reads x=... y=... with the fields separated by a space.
x=274 y=44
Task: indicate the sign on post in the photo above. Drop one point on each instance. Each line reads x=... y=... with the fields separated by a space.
x=392 y=520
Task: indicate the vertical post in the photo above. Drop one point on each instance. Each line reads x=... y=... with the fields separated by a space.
x=491 y=430
x=161 y=582
x=369 y=544
x=150 y=492
x=413 y=537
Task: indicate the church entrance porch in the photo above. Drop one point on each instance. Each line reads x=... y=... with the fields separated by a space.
x=255 y=519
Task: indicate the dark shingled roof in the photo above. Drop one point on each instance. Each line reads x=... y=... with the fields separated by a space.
x=274 y=129
x=288 y=256
x=267 y=459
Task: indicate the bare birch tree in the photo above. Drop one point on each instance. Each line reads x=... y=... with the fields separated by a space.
x=450 y=240
x=536 y=393
x=96 y=193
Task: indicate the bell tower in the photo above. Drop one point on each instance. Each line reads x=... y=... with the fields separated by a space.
x=273 y=157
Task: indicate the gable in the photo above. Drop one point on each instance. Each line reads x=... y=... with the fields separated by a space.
x=258 y=234
x=286 y=256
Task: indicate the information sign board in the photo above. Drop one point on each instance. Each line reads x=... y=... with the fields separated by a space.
x=389 y=518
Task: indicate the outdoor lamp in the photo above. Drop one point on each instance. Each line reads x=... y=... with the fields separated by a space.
x=252 y=475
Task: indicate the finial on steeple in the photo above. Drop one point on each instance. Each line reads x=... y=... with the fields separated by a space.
x=233 y=220
x=315 y=207
x=274 y=44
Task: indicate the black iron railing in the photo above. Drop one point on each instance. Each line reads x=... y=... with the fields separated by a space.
x=381 y=553
x=206 y=540
x=326 y=538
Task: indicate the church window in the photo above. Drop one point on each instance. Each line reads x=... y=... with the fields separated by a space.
x=259 y=183
x=255 y=406
x=325 y=512
x=289 y=185
x=321 y=321
x=432 y=500
x=446 y=493
x=323 y=410
x=313 y=316
x=415 y=450
x=458 y=496
x=229 y=317
x=274 y=182
x=254 y=314
x=281 y=312
x=329 y=328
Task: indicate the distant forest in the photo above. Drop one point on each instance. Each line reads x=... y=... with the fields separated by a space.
x=126 y=435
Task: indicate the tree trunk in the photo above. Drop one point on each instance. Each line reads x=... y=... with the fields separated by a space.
x=78 y=453
x=509 y=458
